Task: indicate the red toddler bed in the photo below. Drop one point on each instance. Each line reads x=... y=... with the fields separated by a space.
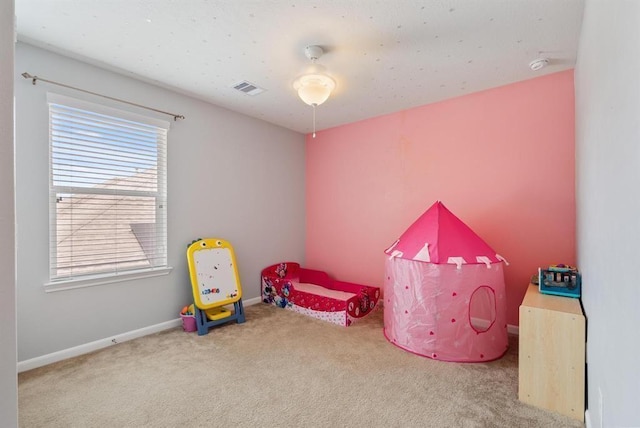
x=314 y=293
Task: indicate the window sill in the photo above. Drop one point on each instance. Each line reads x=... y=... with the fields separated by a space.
x=90 y=281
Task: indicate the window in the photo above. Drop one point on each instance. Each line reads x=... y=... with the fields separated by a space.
x=108 y=191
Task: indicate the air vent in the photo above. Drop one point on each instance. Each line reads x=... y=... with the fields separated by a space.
x=248 y=88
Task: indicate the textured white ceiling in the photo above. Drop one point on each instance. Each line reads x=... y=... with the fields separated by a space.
x=386 y=56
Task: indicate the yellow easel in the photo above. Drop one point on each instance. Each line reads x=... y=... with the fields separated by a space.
x=215 y=283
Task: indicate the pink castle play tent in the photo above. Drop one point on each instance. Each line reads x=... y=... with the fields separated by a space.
x=444 y=292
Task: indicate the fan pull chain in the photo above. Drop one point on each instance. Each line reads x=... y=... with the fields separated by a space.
x=314 y=120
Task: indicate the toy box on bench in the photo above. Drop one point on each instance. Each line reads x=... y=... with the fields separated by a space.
x=314 y=293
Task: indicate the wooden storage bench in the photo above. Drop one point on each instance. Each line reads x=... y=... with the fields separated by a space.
x=551 y=365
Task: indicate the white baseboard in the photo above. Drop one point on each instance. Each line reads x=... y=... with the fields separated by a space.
x=587 y=419
x=54 y=357
x=253 y=301
x=513 y=329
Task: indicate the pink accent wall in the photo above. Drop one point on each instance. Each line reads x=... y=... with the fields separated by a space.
x=502 y=160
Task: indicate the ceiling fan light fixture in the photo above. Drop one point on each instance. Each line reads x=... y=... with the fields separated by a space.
x=314 y=86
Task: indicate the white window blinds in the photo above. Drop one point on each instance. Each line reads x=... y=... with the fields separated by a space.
x=108 y=190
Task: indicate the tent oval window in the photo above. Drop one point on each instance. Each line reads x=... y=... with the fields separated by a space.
x=482 y=309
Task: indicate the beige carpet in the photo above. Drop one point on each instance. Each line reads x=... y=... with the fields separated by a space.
x=279 y=369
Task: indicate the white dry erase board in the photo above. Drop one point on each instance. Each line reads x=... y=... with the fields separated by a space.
x=213 y=272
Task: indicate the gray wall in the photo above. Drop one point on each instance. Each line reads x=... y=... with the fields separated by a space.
x=229 y=176
x=8 y=379
x=608 y=206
